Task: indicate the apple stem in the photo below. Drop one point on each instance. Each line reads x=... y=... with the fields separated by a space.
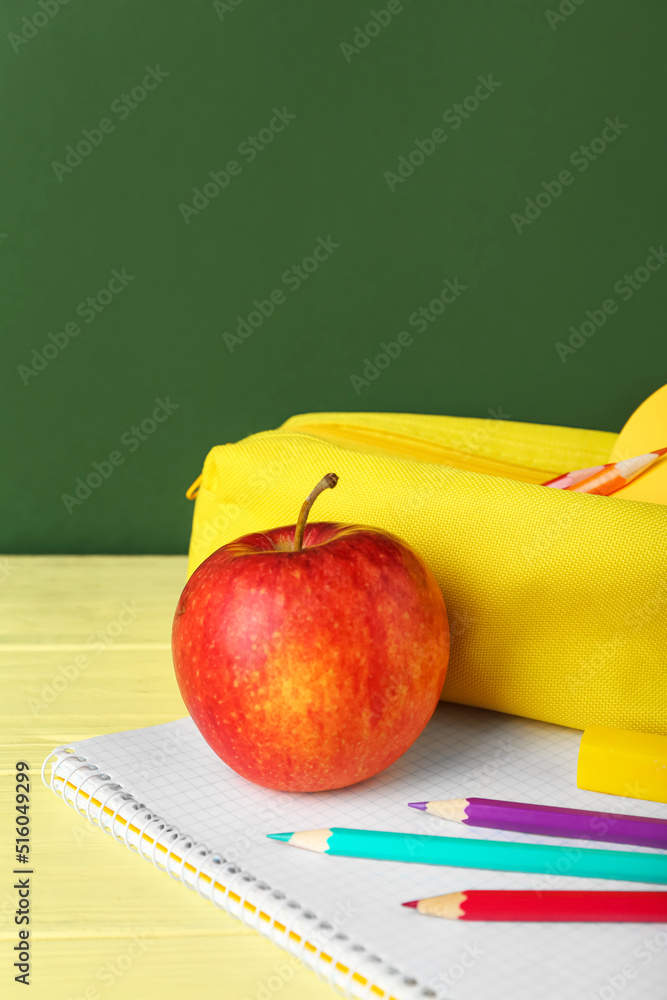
x=327 y=483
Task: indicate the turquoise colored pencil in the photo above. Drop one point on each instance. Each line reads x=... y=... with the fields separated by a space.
x=495 y=855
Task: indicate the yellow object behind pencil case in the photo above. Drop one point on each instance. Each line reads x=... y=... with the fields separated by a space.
x=557 y=600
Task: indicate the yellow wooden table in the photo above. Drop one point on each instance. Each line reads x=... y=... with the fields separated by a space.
x=104 y=921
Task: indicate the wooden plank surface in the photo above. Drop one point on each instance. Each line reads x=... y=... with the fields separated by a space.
x=105 y=922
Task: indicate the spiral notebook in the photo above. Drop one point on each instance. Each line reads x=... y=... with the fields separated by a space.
x=163 y=793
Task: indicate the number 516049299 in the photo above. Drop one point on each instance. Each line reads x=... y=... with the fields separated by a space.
x=22 y=817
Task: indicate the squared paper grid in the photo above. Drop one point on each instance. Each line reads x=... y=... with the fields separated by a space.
x=463 y=752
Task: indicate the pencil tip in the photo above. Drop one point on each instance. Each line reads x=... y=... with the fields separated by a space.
x=412 y=903
x=418 y=805
x=280 y=836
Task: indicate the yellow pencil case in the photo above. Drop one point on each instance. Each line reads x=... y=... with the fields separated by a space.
x=557 y=601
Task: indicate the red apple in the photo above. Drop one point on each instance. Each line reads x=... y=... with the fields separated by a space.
x=311 y=659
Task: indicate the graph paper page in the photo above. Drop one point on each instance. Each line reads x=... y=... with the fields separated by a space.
x=463 y=752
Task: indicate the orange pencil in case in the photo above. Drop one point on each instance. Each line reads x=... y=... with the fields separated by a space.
x=569 y=479
x=604 y=480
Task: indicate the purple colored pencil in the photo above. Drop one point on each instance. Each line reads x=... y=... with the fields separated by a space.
x=551 y=821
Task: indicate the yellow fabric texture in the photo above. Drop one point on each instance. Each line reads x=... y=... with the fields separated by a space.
x=557 y=600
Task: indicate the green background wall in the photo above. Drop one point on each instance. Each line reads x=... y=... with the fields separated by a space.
x=229 y=65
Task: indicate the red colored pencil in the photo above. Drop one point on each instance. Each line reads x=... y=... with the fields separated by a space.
x=546 y=905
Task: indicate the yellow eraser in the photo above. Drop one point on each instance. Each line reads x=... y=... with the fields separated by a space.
x=623 y=762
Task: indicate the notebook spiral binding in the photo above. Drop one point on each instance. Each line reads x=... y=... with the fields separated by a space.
x=332 y=955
